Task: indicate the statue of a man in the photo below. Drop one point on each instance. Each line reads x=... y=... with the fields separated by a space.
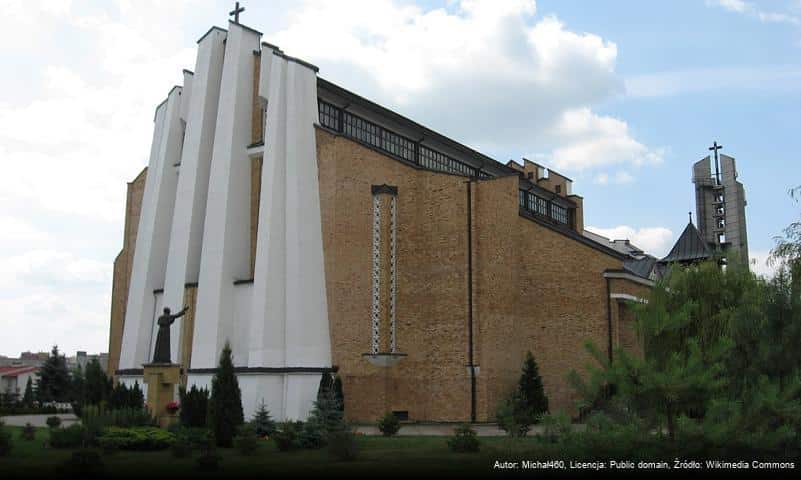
x=162 y=352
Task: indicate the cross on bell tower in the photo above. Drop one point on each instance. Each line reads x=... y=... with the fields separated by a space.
x=236 y=11
x=715 y=147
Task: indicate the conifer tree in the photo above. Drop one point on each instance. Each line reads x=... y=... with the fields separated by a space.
x=97 y=385
x=338 y=393
x=532 y=392
x=262 y=422
x=28 y=397
x=225 y=405
x=78 y=386
x=53 y=383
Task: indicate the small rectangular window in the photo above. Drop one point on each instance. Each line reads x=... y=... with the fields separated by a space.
x=401 y=415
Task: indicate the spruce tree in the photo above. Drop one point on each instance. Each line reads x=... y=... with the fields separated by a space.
x=225 y=405
x=338 y=393
x=532 y=392
x=97 y=386
x=28 y=397
x=262 y=422
x=53 y=383
x=78 y=385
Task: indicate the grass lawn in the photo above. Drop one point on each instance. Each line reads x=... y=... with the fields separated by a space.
x=377 y=455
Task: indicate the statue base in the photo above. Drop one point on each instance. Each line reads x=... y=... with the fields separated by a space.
x=162 y=380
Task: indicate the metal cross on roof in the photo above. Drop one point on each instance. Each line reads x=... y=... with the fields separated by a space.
x=236 y=11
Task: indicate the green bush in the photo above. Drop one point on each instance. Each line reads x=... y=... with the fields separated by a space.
x=246 y=440
x=53 y=422
x=556 y=427
x=84 y=462
x=136 y=438
x=286 y=436
x=262 y=422
x=194 y=406
x=514 y=416
x=73 y=436
x=464 y=439
x=389 y=424
x=181 y=447
x=5 y=441
x=209 y=460
x=196 y=437
x=312 y=434
x=23 y=410
x=28 y=432
x=342 y=445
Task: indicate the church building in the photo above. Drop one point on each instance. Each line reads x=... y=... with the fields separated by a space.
x=314 y=230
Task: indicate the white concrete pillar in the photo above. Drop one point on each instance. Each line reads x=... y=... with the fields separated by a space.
x=225 y=253
x=153 y=236
x=199 y=111
x=289 y=323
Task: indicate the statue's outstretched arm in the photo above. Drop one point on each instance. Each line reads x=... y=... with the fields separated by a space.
x=181 y=313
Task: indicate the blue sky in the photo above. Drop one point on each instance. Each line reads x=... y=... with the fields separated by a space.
x=622 y=96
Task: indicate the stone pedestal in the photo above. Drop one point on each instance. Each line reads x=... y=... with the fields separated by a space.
x=162 y=380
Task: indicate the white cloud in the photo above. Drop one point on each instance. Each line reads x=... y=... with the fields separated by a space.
x=619 y=178
x=489 y=74
x=591 y=141
x=748 y=8
x=653 y=240
x=760 y=265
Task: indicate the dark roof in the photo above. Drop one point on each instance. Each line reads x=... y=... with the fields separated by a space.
x=689 y=247
x=642 y=266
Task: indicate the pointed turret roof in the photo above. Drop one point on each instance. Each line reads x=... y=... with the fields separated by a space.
x=690 y=247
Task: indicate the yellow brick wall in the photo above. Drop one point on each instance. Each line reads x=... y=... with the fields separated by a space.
x=122 y=269
x=533 y=289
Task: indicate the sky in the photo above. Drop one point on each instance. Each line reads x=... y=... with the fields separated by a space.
x=621 y=96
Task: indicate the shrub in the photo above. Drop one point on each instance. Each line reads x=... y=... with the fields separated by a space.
x=84 y=462
x=23 y=410
x=262 y=422
x=389 y=424
x=136 y=438
x=209 y=460
x=73 y=436
x=5 y=441
x=181 y=447
x=556 y=427
x=194 y=406
x=225 y=404
x=28 y=432
x=195 y=436
x=246 y=440
x=464 y=439
x=53 y=422
x=514 y=417
x=123 y=397
x=312 y=434
x=342 y=445
x=286 y=436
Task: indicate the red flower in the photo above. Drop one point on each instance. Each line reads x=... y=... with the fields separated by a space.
x=173 y=406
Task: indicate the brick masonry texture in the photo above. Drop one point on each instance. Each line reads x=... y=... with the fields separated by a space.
x=122 y=268
x=533 y=289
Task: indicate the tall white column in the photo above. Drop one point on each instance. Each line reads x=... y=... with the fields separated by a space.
x=200 y=114
x=153 y=235
x=289 y=323
x=225 y=253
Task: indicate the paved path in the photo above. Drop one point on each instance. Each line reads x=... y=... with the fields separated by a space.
x=67 y=419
